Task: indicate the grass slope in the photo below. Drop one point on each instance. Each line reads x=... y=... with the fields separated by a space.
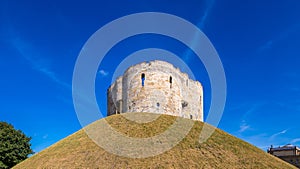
x=219 y=151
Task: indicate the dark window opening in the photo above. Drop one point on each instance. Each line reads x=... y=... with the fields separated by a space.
x=170 y=81
x=143 y=79
x=184 y=104
x=191 y=116
x=157 y=104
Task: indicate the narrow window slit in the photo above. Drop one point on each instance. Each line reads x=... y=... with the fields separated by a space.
x=143 y=79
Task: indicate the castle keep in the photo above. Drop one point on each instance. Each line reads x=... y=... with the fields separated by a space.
x=156 y=87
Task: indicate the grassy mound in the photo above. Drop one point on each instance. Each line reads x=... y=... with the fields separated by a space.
x=219 y=151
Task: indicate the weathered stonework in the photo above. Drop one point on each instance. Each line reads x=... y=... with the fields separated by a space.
x=166 y=90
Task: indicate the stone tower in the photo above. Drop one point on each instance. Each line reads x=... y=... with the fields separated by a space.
x=156 y=87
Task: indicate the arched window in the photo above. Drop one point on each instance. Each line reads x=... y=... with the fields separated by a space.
x=170 y=80
x=143 y=79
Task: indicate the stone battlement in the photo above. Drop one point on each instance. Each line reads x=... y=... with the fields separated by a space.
x=156 y=87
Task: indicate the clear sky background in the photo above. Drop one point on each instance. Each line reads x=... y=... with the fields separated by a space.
x=258 y=43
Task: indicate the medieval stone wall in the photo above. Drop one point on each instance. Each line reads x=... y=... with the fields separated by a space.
x=166 y=90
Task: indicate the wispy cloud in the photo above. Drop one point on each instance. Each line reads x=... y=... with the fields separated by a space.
x=279 y=133
x=293 y=78
x=247 y=109
x=37 y=62
x=267 y=45
x=243 y=127
x=200 y=24
x=296 y=140
x=295 y=89
x=210 y=4
x=260 y=140
x=45 y=136
x=250 y=109
x=276 y=38
x=103 y=73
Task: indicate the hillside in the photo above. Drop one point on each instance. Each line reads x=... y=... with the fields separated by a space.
x=219 y=151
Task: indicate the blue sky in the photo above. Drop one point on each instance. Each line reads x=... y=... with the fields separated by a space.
x=258 y=43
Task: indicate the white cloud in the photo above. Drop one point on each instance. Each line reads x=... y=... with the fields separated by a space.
x=260 y=140
x=279 y=133
x=103 y=73
x=244 y=126
x=195 y=41
x=53 y=76
x=267 y=45
x=45 y=136
x=296 y=140
x=210 y=4
x=279 y=37
x=37 y=62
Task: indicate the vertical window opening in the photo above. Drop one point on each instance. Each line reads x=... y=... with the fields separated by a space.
x=170 y=81
x=143 y=79
x=191 y=116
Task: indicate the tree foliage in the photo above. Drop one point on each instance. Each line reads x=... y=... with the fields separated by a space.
x=14 y=146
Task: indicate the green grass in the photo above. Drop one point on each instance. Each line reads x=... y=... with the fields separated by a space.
x=219 y=151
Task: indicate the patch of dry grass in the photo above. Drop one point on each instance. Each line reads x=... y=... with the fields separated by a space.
x=219 y=151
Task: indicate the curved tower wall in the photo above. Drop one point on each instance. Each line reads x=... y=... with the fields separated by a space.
x=165 y=90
